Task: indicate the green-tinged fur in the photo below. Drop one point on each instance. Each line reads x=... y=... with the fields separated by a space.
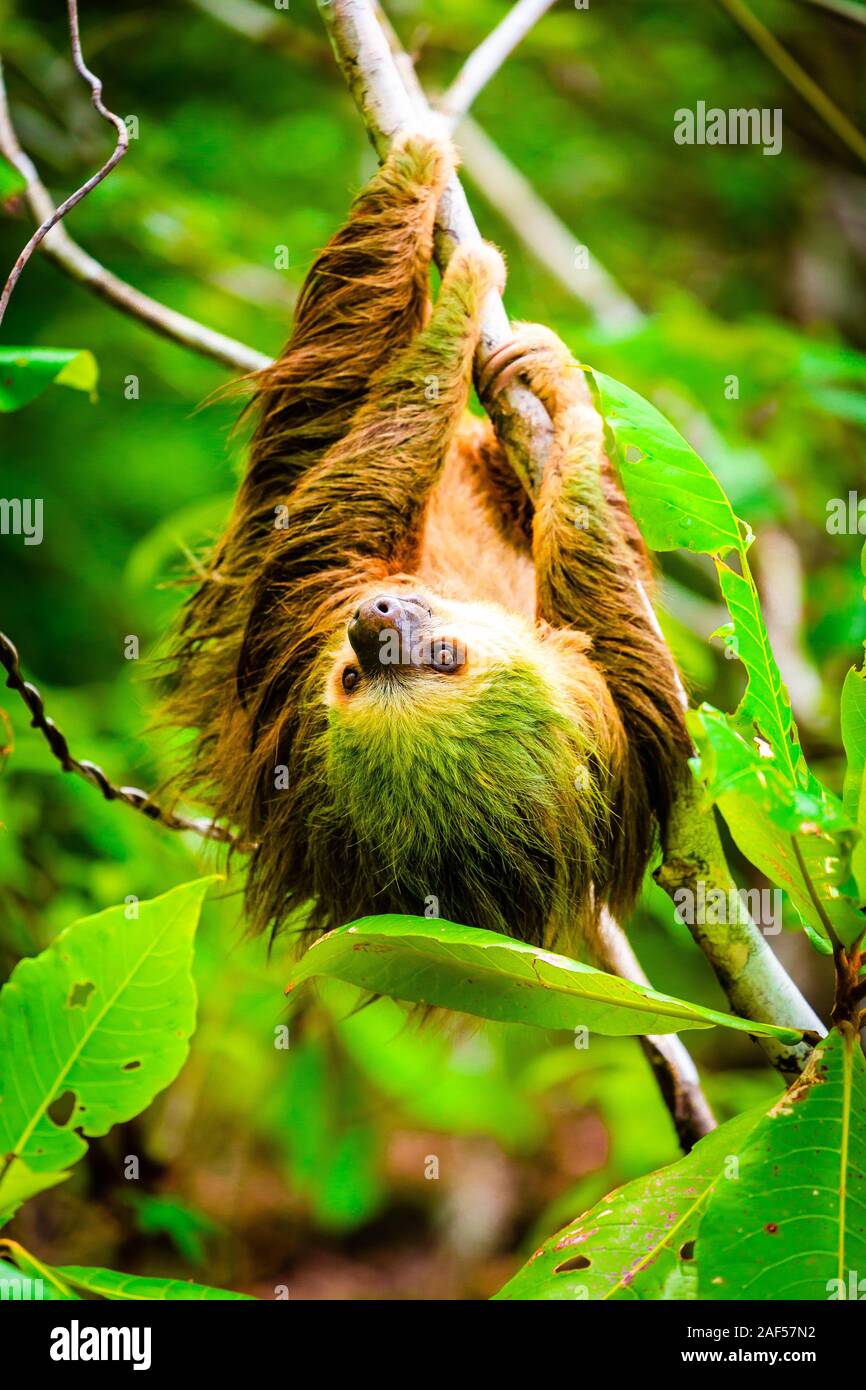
x=492 y=811
x=524 y=792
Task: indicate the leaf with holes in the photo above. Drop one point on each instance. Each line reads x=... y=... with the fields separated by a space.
x=792 y=1225
x=428 y=961
x=93 y=1027
x=637 y=1242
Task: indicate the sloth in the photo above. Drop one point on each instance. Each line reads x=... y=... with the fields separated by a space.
x=414 y=690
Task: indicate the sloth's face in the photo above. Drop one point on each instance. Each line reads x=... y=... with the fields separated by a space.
x=413 y=653
x=460 y=753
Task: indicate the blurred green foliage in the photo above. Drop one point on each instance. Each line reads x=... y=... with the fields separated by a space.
x=309 y=1166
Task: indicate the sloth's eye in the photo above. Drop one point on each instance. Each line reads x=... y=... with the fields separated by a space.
x=350 y=678
x=447 y=656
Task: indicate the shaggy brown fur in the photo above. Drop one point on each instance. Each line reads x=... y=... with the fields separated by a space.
x=521 y=787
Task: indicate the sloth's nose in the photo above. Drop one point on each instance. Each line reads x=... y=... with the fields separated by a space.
x=382 y=629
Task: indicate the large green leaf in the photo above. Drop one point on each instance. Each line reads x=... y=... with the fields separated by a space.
x=428 y=961
x=25 y=372
x=853 y=712
x=637 y=1242
x=102 y=1018
x=677 y=502
x=793 y=1223
x=108 y=1283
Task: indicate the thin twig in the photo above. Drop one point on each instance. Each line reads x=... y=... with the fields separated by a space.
x=71 y=258
x=134 y=797
x=799 y=79
x=117 y=154
x=489 y=56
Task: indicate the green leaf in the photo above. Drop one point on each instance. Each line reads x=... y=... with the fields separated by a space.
x=636 y=1243
x=428 y=961
x=19 y=1183
x=108 y=1283
x=853 y=712
x=799 y=837
x=676 y=500
x=25 y=372
x=101 y=1020
x=11 y=182
x=791 y=1226
x=765 y=708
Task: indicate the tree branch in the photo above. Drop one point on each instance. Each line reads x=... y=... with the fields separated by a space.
x=671 y=1062
x=750 y=973
x=59 y=247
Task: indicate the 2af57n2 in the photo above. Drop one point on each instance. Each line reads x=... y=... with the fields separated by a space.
x=768 y=1332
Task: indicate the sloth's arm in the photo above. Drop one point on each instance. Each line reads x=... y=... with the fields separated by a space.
x=361 y=507
x=358 y=514
x=363 y=300
x=591 y=575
